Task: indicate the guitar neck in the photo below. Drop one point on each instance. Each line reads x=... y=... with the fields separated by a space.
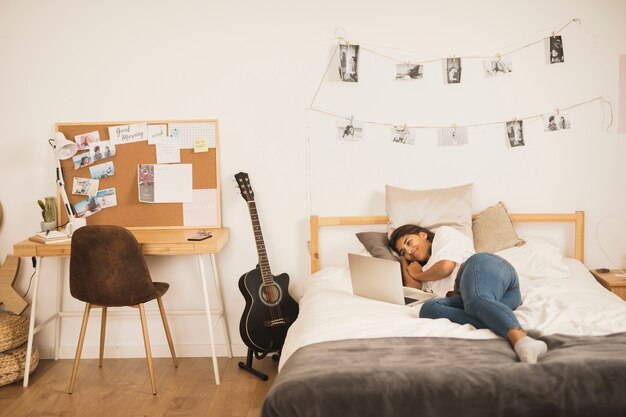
x=264 y=264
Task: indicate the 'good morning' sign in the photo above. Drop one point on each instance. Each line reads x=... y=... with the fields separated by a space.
x=128 y=133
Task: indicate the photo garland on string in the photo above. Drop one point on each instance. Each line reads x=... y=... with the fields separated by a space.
x=453 y=136
x=453 y=70
x=497 y=66
x=515 y=133
x=402 y=135
x=409 y=71
x=348 y=63
x=349 y=130
x=556 y=49
x=556 y=121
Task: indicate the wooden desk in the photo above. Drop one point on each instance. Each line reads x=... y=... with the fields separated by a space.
x=153 y=242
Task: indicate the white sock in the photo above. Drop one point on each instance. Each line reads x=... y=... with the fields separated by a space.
x=529 y=350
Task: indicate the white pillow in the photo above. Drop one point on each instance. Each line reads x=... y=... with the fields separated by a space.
x=430 y=208
x=536 y=259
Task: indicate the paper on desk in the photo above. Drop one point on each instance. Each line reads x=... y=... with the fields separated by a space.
x=202 y=211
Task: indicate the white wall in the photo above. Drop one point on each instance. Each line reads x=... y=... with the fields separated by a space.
x=255 y=66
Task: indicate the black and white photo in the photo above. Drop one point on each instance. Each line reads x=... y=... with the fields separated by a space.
x=409 y=72
x=349 y=130
x=453 y=136
x=497 y=66
x=556 y=50
x=453 y=70
x=515 y=133
x=348 y=63
x=556 y=121
x=403 y=135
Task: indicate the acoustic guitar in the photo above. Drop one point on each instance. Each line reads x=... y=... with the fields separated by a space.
x=269 y=310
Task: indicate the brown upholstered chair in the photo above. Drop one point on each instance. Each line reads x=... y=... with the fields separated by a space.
x=107 y=269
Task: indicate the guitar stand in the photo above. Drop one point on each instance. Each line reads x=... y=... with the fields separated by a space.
x=248 y=365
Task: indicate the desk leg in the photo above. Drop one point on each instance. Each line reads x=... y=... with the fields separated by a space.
x=31 y=324
x=207 y=304
x=59 y=301
x=220 y=302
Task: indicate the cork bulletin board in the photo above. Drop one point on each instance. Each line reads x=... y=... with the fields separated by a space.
x=129 y=211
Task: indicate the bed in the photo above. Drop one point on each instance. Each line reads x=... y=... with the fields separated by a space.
x=351 y=356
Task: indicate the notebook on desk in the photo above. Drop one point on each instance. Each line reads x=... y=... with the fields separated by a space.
x=53 y=236
x=381 y=279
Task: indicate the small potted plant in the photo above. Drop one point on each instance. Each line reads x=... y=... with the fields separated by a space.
x=48 y=213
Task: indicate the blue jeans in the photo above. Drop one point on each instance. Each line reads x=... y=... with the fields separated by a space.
x=489 y=292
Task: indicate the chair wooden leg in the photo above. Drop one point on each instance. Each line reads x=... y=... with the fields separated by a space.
x=79 y=348
x=167 y=331
x=103 y=326
x=146 y=342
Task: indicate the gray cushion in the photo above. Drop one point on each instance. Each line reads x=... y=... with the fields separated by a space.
x=377 y=244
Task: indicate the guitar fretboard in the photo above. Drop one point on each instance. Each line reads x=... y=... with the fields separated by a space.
x=264 y=264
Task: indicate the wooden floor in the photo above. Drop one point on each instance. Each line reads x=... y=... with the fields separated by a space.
x=122 y=388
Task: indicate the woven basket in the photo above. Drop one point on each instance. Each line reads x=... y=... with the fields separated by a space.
x=13 y=330
x=12 y=364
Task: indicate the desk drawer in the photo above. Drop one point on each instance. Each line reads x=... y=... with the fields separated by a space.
x=167 y=249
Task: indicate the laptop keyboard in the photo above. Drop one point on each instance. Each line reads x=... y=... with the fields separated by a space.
x=408 y=300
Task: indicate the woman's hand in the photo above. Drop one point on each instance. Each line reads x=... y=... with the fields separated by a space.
x=414 y=268
x=408 y=269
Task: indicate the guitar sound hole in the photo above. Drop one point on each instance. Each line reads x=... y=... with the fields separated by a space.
x=270 y=294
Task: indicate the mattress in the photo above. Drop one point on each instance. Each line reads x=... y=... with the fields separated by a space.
x=553 y=302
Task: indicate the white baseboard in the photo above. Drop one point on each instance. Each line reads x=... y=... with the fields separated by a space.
x=138 y=351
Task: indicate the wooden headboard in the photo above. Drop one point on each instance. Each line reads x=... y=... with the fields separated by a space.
x=578 y=218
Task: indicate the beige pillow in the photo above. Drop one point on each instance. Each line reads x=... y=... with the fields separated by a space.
x=493 y=230
x=430 y=208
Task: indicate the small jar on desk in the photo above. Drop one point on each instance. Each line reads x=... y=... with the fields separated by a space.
x=613 y=280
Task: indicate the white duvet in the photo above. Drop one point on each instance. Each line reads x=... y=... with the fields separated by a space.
x=566 y=300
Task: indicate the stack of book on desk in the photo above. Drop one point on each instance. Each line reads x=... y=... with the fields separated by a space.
x=51 y=237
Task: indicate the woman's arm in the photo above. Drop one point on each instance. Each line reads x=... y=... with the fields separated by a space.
x=410 y=270
x=412 y=273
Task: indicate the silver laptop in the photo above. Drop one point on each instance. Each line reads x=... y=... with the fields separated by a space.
x=381 y=279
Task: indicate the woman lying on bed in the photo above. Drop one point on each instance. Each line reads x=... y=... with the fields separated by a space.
x=480 y=289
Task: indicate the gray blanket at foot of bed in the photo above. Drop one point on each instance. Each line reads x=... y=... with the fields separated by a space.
x=432 y=377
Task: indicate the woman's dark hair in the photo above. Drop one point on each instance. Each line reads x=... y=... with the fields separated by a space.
x=408 y=229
